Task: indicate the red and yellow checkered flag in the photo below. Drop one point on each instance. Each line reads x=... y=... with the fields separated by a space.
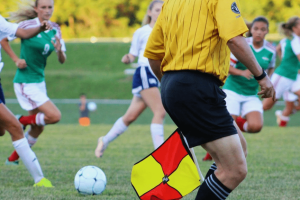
x=169 y=173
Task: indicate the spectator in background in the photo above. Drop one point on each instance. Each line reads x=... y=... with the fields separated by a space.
x=84 y=119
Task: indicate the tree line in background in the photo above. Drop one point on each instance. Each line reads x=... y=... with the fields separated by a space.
x=120 y=18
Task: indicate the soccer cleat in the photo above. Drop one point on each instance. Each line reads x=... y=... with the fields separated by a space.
x=43 y=183
x=7 y=162
x=207 y=157
x=278 y=114
x=100 y=148
x=18 y=118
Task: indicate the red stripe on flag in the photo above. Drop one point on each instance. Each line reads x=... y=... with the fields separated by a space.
x=170 y=154
x=162 y=192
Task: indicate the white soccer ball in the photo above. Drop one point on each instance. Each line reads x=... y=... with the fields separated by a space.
x=90 y=180
x=92 y=106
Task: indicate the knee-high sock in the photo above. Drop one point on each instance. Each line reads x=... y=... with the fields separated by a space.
x=118 y=128
x=211 y=170
x=212 y=189
x=29 y=159
x=31 y=140
x=157 y=133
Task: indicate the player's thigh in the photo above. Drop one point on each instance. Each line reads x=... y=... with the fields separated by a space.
x=137 y=106
x=233 y=103
x=152 y=98
x=49 y=109
x=242 y=139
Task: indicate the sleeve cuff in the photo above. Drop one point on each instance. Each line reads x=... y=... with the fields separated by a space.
x=154 y=56
x=235 y=33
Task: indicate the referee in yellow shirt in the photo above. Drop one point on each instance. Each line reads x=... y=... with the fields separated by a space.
x=188 y=51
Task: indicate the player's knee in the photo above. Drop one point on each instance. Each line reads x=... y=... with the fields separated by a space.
x=160 y=114
x=240 y=173
x=267 y=107
x=55 y=117
x=254 y=127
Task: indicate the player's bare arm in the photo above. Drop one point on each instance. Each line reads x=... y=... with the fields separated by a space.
x=243 y=53
x=20 y=63
x=245 y=73
x=155 y=66
x=128 y=58
x=29 y=33
x=61 y=54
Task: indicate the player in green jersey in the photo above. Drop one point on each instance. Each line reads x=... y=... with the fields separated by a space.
x=291 y=98
x=7 y=119
x=241 y=88
x=286 y=74
x=29 y=81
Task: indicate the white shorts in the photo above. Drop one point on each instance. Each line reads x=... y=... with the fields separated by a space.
x=290 y=96
x=242 y=105
x=281 y=84
x=31 y=95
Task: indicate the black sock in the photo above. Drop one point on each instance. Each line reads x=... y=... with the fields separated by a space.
x=212 y=189
x=212 y=169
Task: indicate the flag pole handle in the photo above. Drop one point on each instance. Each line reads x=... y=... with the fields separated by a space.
x=197 y=165
x=195 y=160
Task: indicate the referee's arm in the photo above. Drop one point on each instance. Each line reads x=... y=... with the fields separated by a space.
x=155 y=66
x=241 y=50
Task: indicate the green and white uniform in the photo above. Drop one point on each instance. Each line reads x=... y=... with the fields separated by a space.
x=242 y=93
x=29 y=83
x=286 y=74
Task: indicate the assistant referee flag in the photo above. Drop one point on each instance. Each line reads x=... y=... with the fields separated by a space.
x=169 y=173
x=193 y=35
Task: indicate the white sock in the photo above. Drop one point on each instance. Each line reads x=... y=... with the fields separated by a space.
x=157 y=133
x=40 y=119
x=31 y=140
x=118 y=128
x=245 y=126
x=285 y=118
x=29 y=159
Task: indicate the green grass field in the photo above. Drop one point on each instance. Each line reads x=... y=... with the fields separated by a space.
x=273 y=163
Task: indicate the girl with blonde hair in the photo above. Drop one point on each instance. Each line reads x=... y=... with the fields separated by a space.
x=144 y=87
x=29 y=81
x=286 y=74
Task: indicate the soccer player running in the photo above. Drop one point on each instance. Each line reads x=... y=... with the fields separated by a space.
x=29 y=81
x=286 y=74
x=144 y=87
x=291 y=98
x=188 y=51
x=7 y=119
x=241 y=88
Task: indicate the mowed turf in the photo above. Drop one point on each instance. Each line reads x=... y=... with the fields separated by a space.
x=273 y=163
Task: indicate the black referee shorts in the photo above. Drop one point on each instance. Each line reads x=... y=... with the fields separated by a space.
x=196 y=104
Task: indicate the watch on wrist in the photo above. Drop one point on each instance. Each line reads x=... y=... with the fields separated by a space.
x=263 y=75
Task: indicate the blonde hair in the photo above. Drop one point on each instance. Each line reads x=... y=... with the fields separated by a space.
x=25 y=11
x=147 y=18
x=287 y=28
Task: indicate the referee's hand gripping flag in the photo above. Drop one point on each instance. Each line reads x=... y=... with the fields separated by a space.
x=169 y=173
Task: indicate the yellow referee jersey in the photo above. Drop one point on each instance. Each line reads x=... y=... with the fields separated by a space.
x=193 y=35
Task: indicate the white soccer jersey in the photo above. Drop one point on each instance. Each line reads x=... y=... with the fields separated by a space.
x=6 y=29
x=138 y=44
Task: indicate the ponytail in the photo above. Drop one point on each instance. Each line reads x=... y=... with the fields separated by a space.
x=25 y=11
x=287 y=28
x=147 y=18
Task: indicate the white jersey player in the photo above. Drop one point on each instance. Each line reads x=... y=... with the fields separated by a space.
x=144 y=87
